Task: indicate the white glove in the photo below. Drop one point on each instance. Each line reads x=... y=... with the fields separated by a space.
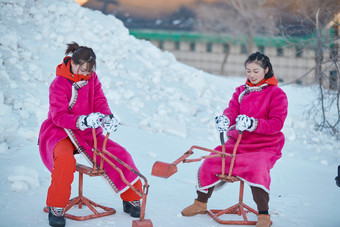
x=222 y=123
x=92 y=120
x=243 y=122
x=110 y=123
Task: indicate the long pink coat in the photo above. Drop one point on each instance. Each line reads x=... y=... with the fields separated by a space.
x=259 y=150
x=68 y=100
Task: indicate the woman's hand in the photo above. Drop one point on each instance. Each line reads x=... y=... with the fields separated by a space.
x=222 y=123
x=243 y=122
x=93 y=120
x=110 y=123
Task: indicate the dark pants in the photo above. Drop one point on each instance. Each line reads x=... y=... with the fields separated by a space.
x=260 y=196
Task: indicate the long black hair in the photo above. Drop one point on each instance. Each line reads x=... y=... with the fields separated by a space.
x=263 y=61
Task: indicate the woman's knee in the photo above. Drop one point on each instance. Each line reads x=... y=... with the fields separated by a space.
x=120 y=153
x=63 y=152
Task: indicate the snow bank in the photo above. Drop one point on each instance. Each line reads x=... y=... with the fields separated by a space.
x=150 y=84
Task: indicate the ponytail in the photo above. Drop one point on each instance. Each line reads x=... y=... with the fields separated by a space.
x=71 y=47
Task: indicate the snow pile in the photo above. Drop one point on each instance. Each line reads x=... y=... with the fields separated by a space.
x=164 y=107
x=148 y=83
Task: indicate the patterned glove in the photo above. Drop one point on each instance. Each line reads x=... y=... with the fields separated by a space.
x=243 y=122
x=92 y=120
x=110 y=123
x=222 y=123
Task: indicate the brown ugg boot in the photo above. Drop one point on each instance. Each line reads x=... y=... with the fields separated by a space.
x=263 y=220
x=196 y=208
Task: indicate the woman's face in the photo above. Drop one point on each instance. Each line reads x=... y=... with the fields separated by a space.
x=80 y=69
x=255 y=73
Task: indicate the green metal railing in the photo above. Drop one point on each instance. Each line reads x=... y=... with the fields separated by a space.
x=265 y=41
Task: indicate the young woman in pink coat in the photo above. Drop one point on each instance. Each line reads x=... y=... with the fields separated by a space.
x=78 y=104
x=259 y=109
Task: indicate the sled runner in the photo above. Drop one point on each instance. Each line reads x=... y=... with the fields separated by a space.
x=165 y=170
x=97 y=170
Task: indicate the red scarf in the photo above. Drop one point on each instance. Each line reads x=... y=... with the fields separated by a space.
x=270 y=81
x=64 y=70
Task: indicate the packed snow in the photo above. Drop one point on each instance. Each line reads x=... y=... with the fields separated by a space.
x=164 y=107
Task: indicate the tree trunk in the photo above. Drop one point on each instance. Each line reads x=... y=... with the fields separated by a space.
x=250 y=36
x=224 y=62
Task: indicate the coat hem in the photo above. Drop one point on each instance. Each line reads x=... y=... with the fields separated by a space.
x=255 y=185
x=127 y=186
x=219 y=184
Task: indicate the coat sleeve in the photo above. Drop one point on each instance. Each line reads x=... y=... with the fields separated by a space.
x=277 y=114
x=232 y=111
x=100 y=102
x=60 y=95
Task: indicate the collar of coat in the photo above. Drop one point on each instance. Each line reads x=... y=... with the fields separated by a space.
x=250 y=87
x=64 y=70
x=270 y=81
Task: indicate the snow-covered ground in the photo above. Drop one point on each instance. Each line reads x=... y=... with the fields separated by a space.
x=165 y=107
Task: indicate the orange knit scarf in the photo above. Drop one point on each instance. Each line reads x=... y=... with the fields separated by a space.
x=270 y=81
x=64 y=70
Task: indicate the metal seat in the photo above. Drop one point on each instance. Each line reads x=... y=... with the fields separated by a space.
x=239 y=208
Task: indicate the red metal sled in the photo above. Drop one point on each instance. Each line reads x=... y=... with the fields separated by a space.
x=165 y=170
x=97 y=170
